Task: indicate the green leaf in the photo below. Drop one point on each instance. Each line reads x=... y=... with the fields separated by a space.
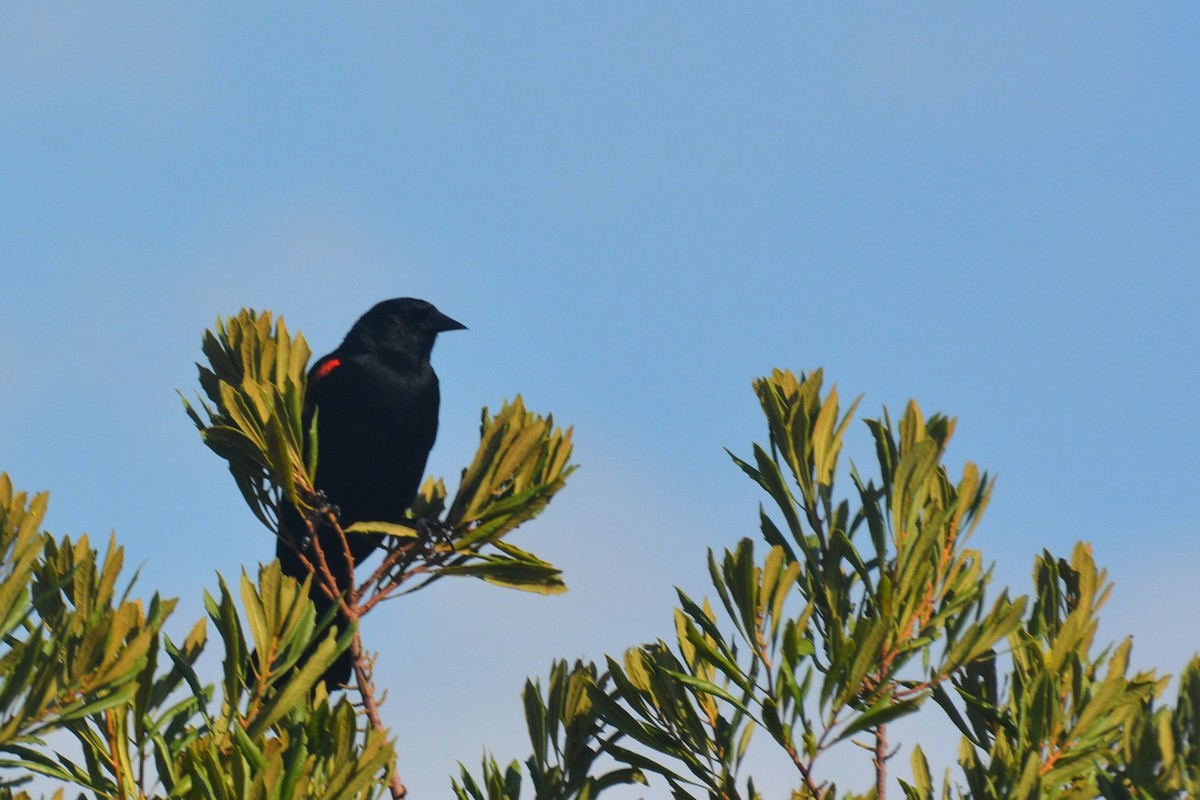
x=529 y=576
x=301 y=683
x=386 y=528
x=708 y=687
x=882 y=712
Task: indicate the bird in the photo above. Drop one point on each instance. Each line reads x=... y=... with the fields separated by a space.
x=376 y=400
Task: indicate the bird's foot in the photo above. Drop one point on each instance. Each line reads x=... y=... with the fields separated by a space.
x=434 y=532
x=322 y=509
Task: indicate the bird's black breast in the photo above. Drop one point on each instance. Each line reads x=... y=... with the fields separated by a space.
x=375 y=426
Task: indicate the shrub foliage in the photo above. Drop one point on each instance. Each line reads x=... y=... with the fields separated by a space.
x=860 y=600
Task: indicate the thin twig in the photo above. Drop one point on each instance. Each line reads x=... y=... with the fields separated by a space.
x=336 y=524
x=366 y=690
x=805 y=770
x=328 y=582
x=390 y=560
x=881 y=757
x=384 y=591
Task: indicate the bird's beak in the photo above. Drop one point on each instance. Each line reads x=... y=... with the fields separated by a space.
x=442 y=323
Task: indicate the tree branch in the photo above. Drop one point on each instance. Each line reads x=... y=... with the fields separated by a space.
x=881 y=757
x=366 y=690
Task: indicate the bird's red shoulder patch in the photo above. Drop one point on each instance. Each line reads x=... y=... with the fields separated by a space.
x=324 y=369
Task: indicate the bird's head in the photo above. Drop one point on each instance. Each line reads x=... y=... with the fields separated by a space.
x=403 y=326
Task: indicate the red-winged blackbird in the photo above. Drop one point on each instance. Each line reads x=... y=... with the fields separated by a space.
x=377 y=395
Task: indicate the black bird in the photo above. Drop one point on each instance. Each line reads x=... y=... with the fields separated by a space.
x=378 y=400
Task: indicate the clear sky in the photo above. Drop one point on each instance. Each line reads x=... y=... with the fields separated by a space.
x=637 y=209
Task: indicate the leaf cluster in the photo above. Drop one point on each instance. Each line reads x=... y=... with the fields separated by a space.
x=78 y=659
x=862 y=608
x=1053 y=731
x=1159 y=751
x=568 y=741
x=850 y=611
x=253 y=408
x=253 y=417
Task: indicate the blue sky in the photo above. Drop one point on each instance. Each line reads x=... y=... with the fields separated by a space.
x=637 y=209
